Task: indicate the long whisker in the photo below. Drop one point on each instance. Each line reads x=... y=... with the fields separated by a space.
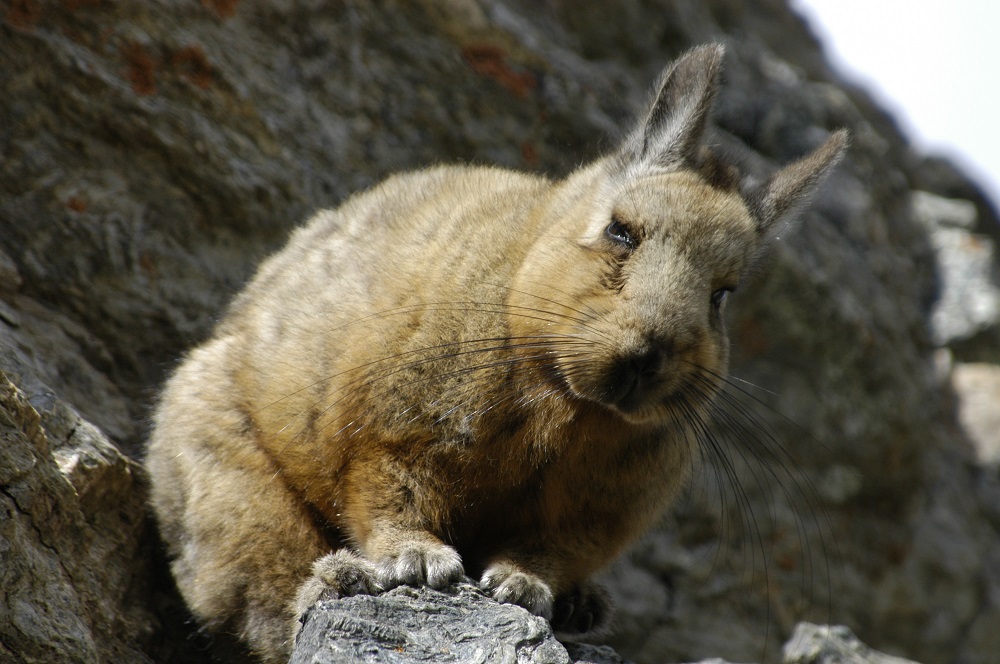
x=470 y=306
x=758 y=446
x=368 y=380
x=419 y=351
x=588 y=315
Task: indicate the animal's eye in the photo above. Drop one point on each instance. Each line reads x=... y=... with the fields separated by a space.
x=719 y=296
x=619 y=233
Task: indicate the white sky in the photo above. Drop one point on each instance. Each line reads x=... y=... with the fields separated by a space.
x=935 y=65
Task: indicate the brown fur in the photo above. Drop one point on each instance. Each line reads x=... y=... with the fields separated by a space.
x=465 y=370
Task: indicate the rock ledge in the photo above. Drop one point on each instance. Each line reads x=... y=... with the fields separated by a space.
x=461 y=624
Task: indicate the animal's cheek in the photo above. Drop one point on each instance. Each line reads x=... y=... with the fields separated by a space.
x=710 y=354
x=584 y=376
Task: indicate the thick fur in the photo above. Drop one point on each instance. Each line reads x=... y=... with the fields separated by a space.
x=465 y=370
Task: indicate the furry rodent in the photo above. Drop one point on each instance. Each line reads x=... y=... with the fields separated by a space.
x=466 y=370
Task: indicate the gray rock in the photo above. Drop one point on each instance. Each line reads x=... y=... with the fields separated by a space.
x=409 y=625
x=977 y=386
x=461 y=624
x=822 y=644
x=969 y=299
x=70 y=524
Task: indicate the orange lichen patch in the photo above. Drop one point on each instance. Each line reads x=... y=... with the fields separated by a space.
x=529 y=153
x=896 y=554
x=73 y=5
x=23 y=14
x=141 y=68
x=222 y=8
x=752 y=338
x=787 y=562
x=148 y=263
x=191 y=63
x=76 y=204
x=491 y=61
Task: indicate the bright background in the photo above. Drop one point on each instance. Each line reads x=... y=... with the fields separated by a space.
x=934 y=65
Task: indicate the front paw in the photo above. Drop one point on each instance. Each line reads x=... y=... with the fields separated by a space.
x=583 y=608
x=420 y=563
x=506 y=583
x=342 y=573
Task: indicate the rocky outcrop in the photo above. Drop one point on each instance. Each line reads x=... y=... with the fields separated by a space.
x=818 y=644
x=461 y=624
x=152 y=153
x=75 y=584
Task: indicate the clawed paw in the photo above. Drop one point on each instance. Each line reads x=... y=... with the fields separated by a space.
x=583 y=608
x=342 y=573
x=505 y=583
x=421 y=563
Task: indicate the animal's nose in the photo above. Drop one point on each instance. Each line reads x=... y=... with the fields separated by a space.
x=645 y=364
x=633 y=375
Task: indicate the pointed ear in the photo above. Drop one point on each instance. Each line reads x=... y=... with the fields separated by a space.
x=788 y=190
x=674 y=124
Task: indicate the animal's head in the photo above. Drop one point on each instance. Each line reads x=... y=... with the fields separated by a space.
x=642 y=249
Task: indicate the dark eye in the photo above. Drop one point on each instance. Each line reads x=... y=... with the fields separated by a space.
x=619 y=234
x=719 y=296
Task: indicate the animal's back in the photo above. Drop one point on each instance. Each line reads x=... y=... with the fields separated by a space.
x=404 y=267
x=438 y=227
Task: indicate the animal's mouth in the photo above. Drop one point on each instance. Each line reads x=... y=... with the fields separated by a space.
x=652 y=387
x=648 y=387
x=636 y=381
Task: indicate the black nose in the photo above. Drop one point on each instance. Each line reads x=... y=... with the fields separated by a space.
x=645 y=365
x=631 y=377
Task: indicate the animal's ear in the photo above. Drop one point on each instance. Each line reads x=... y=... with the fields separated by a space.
x=787 y=191
x=672 y=130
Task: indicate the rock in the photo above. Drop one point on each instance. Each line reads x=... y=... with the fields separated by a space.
x=70 y=527
x=586 y=653
x=969 y=300
x=152 y=153
x=977 y=387
x=459 y=624
x=818 y=644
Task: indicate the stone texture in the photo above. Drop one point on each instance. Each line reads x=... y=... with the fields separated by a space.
x=969 y=300
x=977 y=386
x=460 y=624
x=152 y=153
x=70 y=527
x=818 y=644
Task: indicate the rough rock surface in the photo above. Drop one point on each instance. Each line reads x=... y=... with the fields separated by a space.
x=152 y=153
x=461 y=624
x=70 y=526
x=819 y=644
